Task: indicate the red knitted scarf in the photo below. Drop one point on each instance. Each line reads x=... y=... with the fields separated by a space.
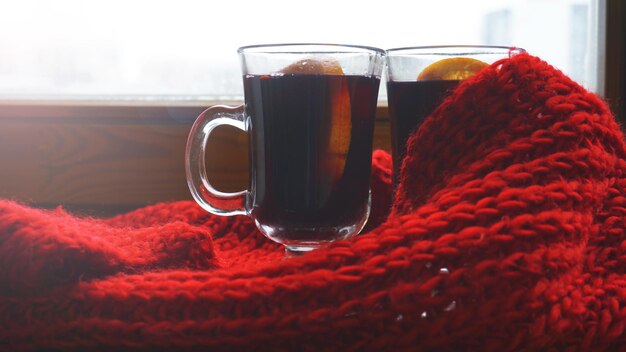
x=507 y=233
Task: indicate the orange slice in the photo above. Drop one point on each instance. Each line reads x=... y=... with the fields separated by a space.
x=314 y=66
x=451 y=69
x=340 y=114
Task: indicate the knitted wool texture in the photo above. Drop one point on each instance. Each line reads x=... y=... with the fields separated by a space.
x=506 y=233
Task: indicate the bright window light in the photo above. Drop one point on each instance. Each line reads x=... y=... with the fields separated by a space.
x=186 y=49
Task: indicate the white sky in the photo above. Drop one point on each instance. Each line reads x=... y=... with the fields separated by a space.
x=208 y=25
x=115 y=40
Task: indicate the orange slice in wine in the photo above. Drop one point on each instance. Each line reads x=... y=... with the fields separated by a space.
x=451 y=69
x=340 y=114
x=314 y=66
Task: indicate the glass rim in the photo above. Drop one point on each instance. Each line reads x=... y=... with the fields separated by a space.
x=340 y=48
x=471 y=49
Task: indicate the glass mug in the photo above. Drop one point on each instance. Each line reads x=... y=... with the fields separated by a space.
x=419 y=78
x=309 y=114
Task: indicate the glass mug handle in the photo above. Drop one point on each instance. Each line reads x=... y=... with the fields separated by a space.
x=212 y=200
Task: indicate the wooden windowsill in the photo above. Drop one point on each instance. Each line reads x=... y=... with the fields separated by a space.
x=105 y=158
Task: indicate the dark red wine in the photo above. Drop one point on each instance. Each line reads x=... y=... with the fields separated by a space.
x=310 y=149
x=409 y=104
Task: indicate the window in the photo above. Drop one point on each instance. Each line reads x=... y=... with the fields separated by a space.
x=185 y=50
x=97 y=97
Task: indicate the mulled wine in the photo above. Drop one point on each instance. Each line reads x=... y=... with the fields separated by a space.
x=410 y=102
x=310 y=147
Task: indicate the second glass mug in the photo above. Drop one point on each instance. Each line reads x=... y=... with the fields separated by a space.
x=419 y=78
x=309 y=114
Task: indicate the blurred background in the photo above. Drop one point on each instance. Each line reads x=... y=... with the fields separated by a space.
x=97 y=97
x=186 y=49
